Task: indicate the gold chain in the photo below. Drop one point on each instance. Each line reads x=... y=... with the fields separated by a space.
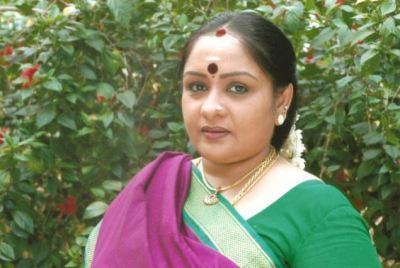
x=256 y=175
x=222 y=189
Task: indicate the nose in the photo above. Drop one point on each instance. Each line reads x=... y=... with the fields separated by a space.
x=212 y=105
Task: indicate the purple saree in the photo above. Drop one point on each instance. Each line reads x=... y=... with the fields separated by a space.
x=143 y=226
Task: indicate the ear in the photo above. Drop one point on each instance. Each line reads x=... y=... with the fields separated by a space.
x=283 y=100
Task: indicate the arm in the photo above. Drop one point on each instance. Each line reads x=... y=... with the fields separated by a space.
x=339 y=240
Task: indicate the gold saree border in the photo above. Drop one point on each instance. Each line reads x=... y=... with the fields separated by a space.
x=225 y=229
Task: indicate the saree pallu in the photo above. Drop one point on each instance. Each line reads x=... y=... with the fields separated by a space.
x=160 y=220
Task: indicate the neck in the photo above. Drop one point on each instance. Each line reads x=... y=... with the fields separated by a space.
x=222 y=174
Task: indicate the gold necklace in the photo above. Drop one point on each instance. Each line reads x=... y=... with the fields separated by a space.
x=212 y=199
x=253 y=181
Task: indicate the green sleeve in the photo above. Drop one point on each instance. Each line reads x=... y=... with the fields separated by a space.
x=91 y=245
x=341 y=239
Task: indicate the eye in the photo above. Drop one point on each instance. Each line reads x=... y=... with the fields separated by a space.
x=237 y=89
x=197 y=87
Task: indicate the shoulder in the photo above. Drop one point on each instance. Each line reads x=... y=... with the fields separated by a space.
x=306 y=191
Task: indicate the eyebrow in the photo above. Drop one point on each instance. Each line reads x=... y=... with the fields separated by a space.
x=195 y=74
x=225 y=75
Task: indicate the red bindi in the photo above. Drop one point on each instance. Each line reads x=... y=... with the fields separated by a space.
x=212 y=68
x=220 y=32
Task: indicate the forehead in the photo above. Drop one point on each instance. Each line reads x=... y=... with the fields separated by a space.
x=226 y=51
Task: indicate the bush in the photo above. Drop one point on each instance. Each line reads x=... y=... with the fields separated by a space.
x=89 y=95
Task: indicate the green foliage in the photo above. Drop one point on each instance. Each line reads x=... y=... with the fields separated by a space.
x=88 y=97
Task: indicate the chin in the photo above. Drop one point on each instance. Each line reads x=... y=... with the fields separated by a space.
x=217 y=156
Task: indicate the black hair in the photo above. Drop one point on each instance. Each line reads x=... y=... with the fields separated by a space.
x=268 y=46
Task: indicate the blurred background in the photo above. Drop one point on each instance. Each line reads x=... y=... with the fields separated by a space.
x=89 y=94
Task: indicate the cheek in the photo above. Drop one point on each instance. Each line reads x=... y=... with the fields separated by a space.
x=257 y=119
x=188 y=113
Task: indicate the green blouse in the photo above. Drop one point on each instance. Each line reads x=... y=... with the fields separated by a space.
x=314 y=225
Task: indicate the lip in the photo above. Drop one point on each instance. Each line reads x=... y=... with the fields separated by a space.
x=214 y=132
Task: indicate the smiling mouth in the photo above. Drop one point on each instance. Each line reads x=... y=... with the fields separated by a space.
x=214 y=133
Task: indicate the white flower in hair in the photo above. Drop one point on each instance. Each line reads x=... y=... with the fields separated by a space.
x=293 y=148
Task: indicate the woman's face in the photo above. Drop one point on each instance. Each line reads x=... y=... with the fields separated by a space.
x=227 y=102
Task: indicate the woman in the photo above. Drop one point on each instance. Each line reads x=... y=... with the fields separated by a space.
x=240 y=203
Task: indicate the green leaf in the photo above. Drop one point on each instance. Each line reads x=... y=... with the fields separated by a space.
x=393 y=107
x=341 y=83
x=71 y=177
x=373 y=137
x=388 y=27
x=157 y=134
x=333 y=168
x=67 y=121
x=162 y=145
x=68 y=49
x=347 y=8
x=5 y=179
x=23 y=221
x=175 y=127
x=105 y=89
x=25 y=94
x=356 y=107
x=112 y=61
x=369 y=54
x=46 y=115
x=122 y=10
x=126 y=119
x=330 y=119
x=170 y=41
x=6 y=252
x=84 y=131
x=293 y=22
x=384 y=169
x=325 y=35
x=97 y=44
x=107 y=118
x=87 y=72
x=97 y=192
x=72 y=98
x=361 y=35
x=392 y=151
x=45 y=56
x=371 y=154
x=112 y=185
x=53 y=84
x=366 y=168
x=127 y=98
x=395 y=52
x=94 y=210
x=182 y=20
x=388 y=6
x=387 y=190
x=40 y=250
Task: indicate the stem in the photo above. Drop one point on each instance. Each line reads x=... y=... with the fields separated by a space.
x=327 y=143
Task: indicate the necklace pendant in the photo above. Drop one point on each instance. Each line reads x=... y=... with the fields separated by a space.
x=211 y=199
